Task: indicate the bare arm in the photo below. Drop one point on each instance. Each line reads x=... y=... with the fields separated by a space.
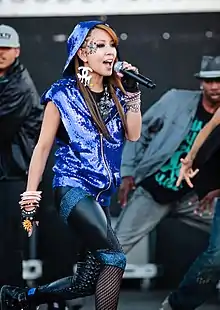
x=186 y=171
x=43 y=147
x=133 y=101
x=203 y=135
x=133 y=122
x=133 y=115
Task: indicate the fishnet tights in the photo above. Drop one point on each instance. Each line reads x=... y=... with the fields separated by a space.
x=108 y=288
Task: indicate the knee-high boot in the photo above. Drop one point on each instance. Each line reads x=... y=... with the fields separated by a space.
x=82 y=284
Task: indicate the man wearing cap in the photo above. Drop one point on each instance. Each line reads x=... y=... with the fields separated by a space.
x=20 y=120
x=199 y=283
x=150 y=166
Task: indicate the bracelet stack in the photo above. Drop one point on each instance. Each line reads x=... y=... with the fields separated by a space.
x=29 y=203
x=133 y=102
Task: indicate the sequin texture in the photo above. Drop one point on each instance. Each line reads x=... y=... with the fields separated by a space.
x=88 y=161
x=70 y=199
x=116 y=259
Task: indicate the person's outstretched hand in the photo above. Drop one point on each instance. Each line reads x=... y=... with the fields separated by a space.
x=186 y=172
x=207 y=203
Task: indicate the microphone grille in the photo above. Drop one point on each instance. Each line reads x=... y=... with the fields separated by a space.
x=118 y=66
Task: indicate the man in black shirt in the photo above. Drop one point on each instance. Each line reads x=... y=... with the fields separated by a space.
x=151 y=165
x=162 y=184
x=199 y=283
x=20 y=121
x=21 y=117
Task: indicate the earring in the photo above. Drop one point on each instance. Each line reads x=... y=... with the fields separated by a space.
x=84 y=76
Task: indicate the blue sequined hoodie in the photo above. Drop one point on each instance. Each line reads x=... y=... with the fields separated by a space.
x=88 y=161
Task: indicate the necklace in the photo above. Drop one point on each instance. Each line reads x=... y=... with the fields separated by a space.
x=105 y=104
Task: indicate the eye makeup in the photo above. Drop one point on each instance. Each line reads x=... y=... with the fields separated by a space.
x=94 y=46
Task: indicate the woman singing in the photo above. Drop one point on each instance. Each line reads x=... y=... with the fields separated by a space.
x=90 y=111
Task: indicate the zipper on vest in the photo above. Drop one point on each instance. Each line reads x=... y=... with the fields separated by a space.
x=106 y=166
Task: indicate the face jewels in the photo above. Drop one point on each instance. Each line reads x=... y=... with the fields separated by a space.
x=92 y=48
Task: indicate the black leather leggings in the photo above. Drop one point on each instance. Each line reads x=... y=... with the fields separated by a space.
x=101 y=268
x=91 y=224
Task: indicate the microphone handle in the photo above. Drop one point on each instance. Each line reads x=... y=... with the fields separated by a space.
x=139 y=78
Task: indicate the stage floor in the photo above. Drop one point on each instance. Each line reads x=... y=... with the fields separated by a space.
x=144 y=300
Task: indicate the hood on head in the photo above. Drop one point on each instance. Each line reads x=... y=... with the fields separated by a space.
x=76 y=39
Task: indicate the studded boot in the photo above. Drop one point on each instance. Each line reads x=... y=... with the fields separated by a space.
x=82 y=284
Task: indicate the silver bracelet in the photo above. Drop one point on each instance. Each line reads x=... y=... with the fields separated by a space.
x=132 y=96
x=133 y=102
x=133 y=107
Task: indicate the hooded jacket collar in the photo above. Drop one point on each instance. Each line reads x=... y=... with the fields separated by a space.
x=75 y=40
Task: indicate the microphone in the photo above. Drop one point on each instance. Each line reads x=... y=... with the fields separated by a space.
x=118 y=67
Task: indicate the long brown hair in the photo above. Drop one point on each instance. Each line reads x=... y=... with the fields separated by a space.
x=112 y=82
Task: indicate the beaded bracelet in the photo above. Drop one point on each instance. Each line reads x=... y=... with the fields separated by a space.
x=133 y=107
x=133 y=102
x=29 y=203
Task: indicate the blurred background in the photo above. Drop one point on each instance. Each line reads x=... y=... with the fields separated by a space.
x=166 y=40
